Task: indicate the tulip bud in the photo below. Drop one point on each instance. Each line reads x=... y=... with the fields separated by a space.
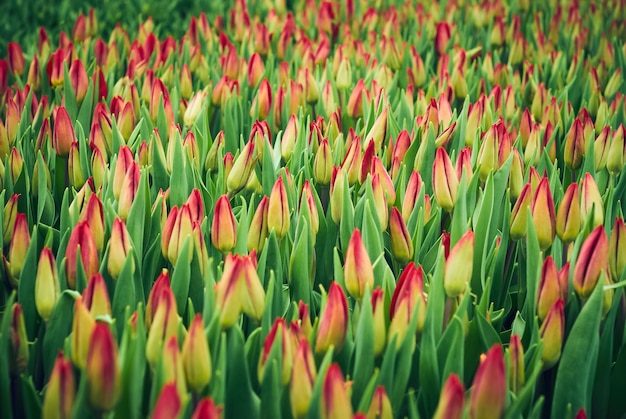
x=82 y=328
x=574 y=145
x=357 y=268
x=308 y=204
x=125 y=160
x=542 y=209
x=378 y=132
x=238 y=176
x=206 y=409
x=519 y=213
x=93 y=215
x=16 y=164
x=380 y=333
x=336 y=194
x=278 y=217
x=411 y=194
x=401 y=242
x=164 y=325
x=196 y=357
x=58 y=401
x=333 y=321
x=516 y=364
x=169 y=404
x=177 y=229
x=591 y=198
x=488 y=398
x=79 y=80
x=354 y=107
x=130 y=185
x=102 y=371
x=568 y=220
x=458 y=267
x=380 y=406
x=380 y=202
x=10 y=214
x=445 y=181
x=551 y=287
x=47 y=290
x=407 y=297
x=15 y=59
x=451 y=400
x=18 y=348
x=257 y=232
x=601 y=147
x=224 y=227
x=194 y=108
x=288 y=140
x=335 y=399
x=302 y=379
x=63 y=133
x=119 y=248
x=278 y=329
x=96 y=297
x=551 y=332
x=20 y=241
x=592 y=260
x=617 y=249
x=81 y=242
x=323 y=164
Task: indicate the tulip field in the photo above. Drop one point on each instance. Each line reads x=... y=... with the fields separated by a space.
x=313 y=209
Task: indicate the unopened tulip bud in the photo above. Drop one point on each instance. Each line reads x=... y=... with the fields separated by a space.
x=445 y=181
x=47 y=289
x=58 y=401
x=333 y=321
x=164 y=325
x=82 y=327
x=194 y=108
x=593 y=258
x=256 y=69
x=551 y=332
x=591 y=198
x=488 y=398
x=380 y=406
x=551 y=288
x=20 y=241
x=617 y=249
x=354 y=107
x=516 y=368
x=617 y=152
x=352 y=162
x=130 y=185
x=452 y=399
x=335 y=399
x=411 y=194
x=574 y=145
x=401 y=242
x=207 y=409
x=178 y=228
x=10 y=214
x=102 y=370
x=357 y=268
x=568 y=220
x=408 y=297
x=380 y=332
x=119 y=248
x=458 y=267
x=302 y=379
x=18 y=348
x=196 y=356
x=169 y=404
x=93 y=214
x=288 y=140
x=278 y=330
x=519 y=213
x=323 y=164
x=81 y=243
x=238 y=176
x=278 y=217
x=542 y=209
x=257 y=232
x=79 y=80
x=378 y=132
x=224 y=227
x=16 y=164
x=15 y=59
x=336 y=194
x=63 y=133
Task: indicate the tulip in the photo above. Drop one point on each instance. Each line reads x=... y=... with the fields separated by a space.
x=164 y=325
x=617 y=152
x=289 y=138
x=519 y=213
x=81 y=242
x=278 y=217
x=130 y=186
x=96 y=297
x=262 y=102
x=16 y=164
x=357 y=268
x=309 y=205
x=169 y=404
x=93 y=215
x=551 y=332
x=335 y=399
x=451 y=400
x=333 y=321
x=401 y=242
x=617 y=249
x=336 y=193
x=119 y=248
x=9 y=217
x=411 y=194
x=378 y=132
x=82 y=327
x=196 y=357
x=351 y=164
x=257 y=232
x=590 y=198
x=574 y=145
x=380 y=407
x=515 y=354
x=445 y=181
x=542 y=209
x=102 y=370
x=552 y=287
x=162 y=282
x=302 y=379
x=15 y=59
x=20 y=242
x=380 y=202
x=488 y=398
x=408 y=297
x=568 y=220
x=206 y=409
x=194 y=108
x=238 y=176
x=63 y=133
x=458 y=267
x=125 y=160
x=60 y=393
x=224 y=227
x=279 y=329
x=593 y=258
x=47 y=289
x=323 y=164
x=18 y=348
x=177 y=229
x=380 y=333
x=601 y=147
x=79 y=80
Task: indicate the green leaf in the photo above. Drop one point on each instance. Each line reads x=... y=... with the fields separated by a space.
x=58 y=328
x=26 y=287
x=124 y=295
x=363 y=349
x=5 y=379
x=181 y=277
x=240 y=401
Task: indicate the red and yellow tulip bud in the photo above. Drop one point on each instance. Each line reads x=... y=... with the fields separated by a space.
x=354 y=107
x=93 y=215
x=574 y=145
x=335 y=399
x=238 y=176
x=169 y=404
x=323 y=164
x=519 y=213
x=551 y=288
x=380 y=407
x=516 y=369
x=544 y=219
x=125 y=160
x=617 y=152
x=445 y=181
x=164 y=325
x=452 y=399
x=63 y=133
x=593 y=258
x=488 y=153
x=130 y=185
x=378 y=132
x=20 y=241
x=380 y=332
x=279 y=329
x=333 y=321
x=304 y=319
x=15 y=59
x=79 y=80
x=278 y=217
x=351 y=164
x=81 y=243
x=617 y=249
x=552 y=333
x=488 y=398
x=411 y=194
x=96 y=297
x=99 y=169
x=380 y=202
x=336 y=193
x=224 y=227
x=262 y=102
x=194 y=108
x=303 y=376
x=162 y=282
x=257 y=232
x=408 y=297
x=58 y=401
x=119 y=248
x=591 y=198
x=309 y=84
x=196 y=356
x=308 y=204
x=613 y=84
x=47 y=289
x=568 y=220
x=10 y=215
x=178 y=228
x=82 y=328
x=458 y=267
x=401 y=242
x=256 y=69
x=102 y=370
x=18 y=347
x=288 y=140
x=357 y=268
x=207 y=409
x=12 y=120
x=16 y=164
x=387 y=183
